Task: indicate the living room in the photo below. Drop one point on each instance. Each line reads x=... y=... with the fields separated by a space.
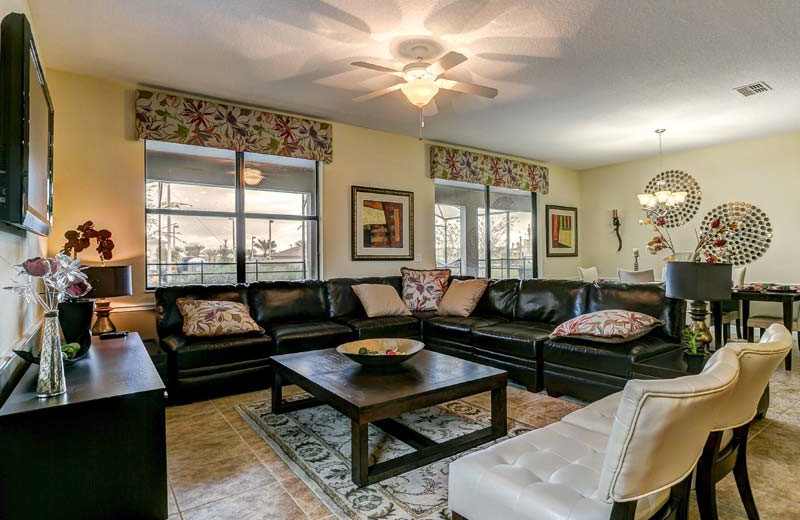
x=324 y=170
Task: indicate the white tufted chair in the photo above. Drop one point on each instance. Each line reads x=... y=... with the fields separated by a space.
x=725 y=450
x=566 y=472
x=588 y=274
x=645 y=276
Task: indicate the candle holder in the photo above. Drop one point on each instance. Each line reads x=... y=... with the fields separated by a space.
x=635 y=259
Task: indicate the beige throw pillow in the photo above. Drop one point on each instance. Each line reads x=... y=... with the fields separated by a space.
x=461 y=297
x=380 y=300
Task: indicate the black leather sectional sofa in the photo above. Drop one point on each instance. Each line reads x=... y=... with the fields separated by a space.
x=509 y=329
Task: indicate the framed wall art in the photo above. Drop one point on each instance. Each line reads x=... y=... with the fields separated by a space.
x=382 y=224
x=562 y=230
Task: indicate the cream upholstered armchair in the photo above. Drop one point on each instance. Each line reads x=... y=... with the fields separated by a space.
x=726 y=447
x=625 y=276
x=642 y=469
x=588 y=274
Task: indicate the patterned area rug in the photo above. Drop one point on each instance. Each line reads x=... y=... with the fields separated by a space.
x=315 y=442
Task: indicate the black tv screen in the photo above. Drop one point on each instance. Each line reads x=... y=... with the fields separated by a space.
x=26 y=131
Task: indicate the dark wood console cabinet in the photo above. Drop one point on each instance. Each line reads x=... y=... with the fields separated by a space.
x=99 y=451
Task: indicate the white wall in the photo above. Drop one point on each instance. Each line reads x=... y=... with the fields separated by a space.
x=17 y=319
x=764 y=172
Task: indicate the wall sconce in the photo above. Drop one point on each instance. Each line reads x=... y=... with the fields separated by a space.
x=615 y=224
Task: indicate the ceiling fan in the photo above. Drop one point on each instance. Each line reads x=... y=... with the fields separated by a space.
x=422 y=79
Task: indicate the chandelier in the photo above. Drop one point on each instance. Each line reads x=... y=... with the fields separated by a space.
x=661 y=201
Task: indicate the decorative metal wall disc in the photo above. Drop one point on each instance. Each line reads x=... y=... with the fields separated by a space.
x=676 y=180
x=752 y=235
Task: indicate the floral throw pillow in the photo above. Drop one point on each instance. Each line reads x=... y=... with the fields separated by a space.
x=423 y=289
x=611 y=326
x=210 y=318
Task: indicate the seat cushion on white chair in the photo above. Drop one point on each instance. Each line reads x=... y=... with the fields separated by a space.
x=596 y=417
x=548 y=474
x=763 y=322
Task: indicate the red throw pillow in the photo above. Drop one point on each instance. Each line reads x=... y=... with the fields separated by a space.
x=611 y=326
x=424 y=288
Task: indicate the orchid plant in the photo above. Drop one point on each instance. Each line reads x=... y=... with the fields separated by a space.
x=711 y=243
x=61 y=275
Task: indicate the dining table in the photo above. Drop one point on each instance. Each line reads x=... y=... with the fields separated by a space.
x=785 y=298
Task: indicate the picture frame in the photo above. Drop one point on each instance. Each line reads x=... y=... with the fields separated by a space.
x=562 y=230
x=382 y=224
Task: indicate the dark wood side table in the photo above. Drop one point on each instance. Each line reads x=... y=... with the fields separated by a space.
x=96 y=452
x=786 y=299
x=370 y=396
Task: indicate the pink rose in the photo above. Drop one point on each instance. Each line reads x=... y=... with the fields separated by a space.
x=37 y=267
x=78 y=288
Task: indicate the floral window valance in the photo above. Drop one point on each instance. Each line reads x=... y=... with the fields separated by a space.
x=480 y=168
x=177 y=119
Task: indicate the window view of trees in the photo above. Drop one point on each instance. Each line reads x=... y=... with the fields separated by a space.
x=460 y=231
x=192 y=222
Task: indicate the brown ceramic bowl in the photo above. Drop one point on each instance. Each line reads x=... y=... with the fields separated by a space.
x=406 y=349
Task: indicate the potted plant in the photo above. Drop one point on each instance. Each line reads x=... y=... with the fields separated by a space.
x=695 y=357
x=75 y=313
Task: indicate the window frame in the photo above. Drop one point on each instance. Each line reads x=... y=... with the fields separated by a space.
x=487 y=225
x=240 y=217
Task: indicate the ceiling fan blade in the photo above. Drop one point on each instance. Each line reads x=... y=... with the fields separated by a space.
x=467 y=88
x=379 y=93
x=379 y=68
x=430 y=109
x=446 y=62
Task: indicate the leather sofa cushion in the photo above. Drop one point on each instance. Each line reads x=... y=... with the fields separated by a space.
x=551 y=301
x=516 y=338
x=342 y=300
x=203 y=352
x=304 y=336
x=457 y=328
x=168 y=317
x=383 y=327
x=615 y=359
x=281 y=302
x=499 y=299
x=647 y=298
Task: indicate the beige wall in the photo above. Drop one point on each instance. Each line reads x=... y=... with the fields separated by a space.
x=765 y=172
x=565 y=190
x=18 y=320
x=100 y=177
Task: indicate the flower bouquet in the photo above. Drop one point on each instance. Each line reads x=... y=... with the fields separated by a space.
x=61 y=277
x=711 y=243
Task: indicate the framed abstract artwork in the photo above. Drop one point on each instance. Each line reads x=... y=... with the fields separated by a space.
x=382 y=224
x=562 y=230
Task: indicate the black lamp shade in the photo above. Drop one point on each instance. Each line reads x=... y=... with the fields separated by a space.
x=699 y=281
x=109 y=281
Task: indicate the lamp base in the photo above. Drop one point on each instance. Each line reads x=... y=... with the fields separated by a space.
x=103 y=323
x=699 y=313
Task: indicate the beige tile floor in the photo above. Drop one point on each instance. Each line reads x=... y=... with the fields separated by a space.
x=220 y=469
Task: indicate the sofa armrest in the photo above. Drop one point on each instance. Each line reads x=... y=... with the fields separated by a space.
x=172 y=343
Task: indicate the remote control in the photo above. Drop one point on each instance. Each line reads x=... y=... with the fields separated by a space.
x=112 y=335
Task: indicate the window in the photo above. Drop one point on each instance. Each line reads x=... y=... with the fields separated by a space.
x=218 y=216
x=503 y=247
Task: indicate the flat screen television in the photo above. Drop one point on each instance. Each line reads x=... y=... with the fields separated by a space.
x=26 y=131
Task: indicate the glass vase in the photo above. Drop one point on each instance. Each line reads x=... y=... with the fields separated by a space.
x=51 y=362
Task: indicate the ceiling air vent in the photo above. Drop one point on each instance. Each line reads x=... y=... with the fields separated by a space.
x=753 y=89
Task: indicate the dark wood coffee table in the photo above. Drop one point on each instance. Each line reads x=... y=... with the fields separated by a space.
x=366 y=395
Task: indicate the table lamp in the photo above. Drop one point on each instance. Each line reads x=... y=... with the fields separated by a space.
x=699 y=282
x=107 y=282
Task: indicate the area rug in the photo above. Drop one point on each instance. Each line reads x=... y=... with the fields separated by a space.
x=315 y=443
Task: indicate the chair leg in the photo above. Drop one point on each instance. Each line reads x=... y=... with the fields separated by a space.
x=760 y=332
x=726 y=333
x=739 y=329
x=680 y=493
x=741 y=476
x=623 y=511
x=705 y=487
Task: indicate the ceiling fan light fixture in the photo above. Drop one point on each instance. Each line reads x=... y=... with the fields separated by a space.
x=420 y=91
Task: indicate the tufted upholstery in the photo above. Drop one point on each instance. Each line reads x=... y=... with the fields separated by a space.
x=547 y=474
x=567 y=472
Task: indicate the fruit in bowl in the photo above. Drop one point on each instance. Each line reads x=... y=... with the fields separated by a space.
x=381 y=352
